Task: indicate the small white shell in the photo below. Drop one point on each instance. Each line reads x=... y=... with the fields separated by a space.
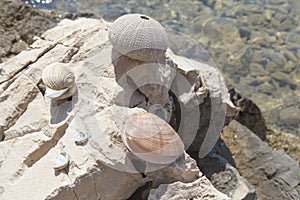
x=152 y=139
x=80 y=138
x=54 y=93
x=61 y=161
x=139 y=37
x=59 y=81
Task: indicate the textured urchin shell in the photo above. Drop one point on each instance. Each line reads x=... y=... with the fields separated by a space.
x=57 y=77
x=152 y=139
x=139 y=37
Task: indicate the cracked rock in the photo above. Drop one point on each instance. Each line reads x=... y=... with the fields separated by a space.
x=197 y=190
x=273 y=174
x=35 y=129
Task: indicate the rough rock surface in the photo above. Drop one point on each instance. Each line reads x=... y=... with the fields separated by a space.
x=273 y=174
x=230 y=182
x=197 y=190
x=251 y=117
x=35 y=129
x=19 y=23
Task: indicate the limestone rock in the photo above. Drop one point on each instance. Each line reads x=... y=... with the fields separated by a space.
x=201 y=87
x=231 y=183
x=34 y=129
x=273 y=174
x=199 y=189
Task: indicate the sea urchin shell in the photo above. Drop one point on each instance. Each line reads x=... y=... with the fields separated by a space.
x=139 y=37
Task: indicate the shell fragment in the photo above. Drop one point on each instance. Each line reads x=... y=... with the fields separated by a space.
x=61 y=161
x=54 y=93
x=80 y=138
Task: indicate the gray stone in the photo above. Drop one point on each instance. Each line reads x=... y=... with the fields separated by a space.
x=273 y=174
x=250 y=114
x=283 y=78
x=197 y=190
x=218 y=29
x=290 y=116
x=231 y=183
x=293 y=37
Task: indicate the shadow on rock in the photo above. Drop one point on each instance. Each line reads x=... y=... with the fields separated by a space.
x=60 y=108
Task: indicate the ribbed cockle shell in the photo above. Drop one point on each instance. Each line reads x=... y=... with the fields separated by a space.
x=152 y=139
x=59 y=81
x=139 y=37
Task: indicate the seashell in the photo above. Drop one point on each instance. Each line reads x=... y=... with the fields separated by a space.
x=55 y=93
x=61 y=161
x=80 y=138
x=139 y=37
x=152 y=139
x=59 y=81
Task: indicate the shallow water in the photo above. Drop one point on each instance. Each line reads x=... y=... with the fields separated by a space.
x=255 y=43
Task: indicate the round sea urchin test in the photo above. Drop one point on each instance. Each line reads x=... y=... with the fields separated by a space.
x=139 y=37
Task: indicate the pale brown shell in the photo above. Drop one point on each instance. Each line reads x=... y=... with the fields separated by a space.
x=57 y=76
x=152 y=139
x=139 y=37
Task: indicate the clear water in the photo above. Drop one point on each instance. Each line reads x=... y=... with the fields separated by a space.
x=255 y=43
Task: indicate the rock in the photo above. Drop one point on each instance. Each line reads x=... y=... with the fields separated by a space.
x=287 y=141
x=18 y=47
x=36 y=129
x=244 y=33
x=266 y=88
x=215 y=162
x=249 y=115
x=20 y=23
x=262 y=38
x=257 y=70
x=184 y=170
x=273 y=174
x=290 y=116
x=293 y=37
x=231 y=183
x=283 y=79
x=15 y=100
x=218 y=167
x=290 y=65
x=213 y=84
x=199 y=189
x=221 y=28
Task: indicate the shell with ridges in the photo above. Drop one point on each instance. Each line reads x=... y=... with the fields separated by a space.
x=152 y=139
x=139 y=37
x=57 y=77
